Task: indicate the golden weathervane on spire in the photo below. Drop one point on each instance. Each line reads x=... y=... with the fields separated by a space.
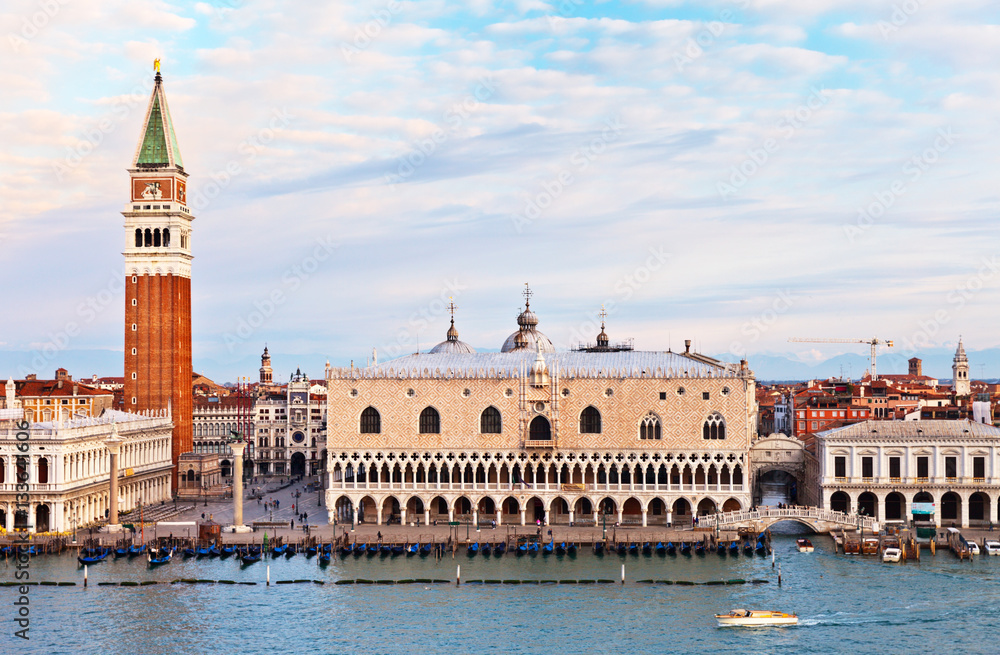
x=156 y=65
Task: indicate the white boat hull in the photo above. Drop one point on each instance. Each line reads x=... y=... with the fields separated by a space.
x=742 y=621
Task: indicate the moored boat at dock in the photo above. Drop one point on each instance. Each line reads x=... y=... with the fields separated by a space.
x=804 y=545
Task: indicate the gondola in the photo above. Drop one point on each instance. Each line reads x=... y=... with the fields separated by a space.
x=371 y=548
x=533 y=548
x=33 y=550
x=734 y=548
x=292 y=550
x=397 y=550
x=521 y=549
x=622 y=549
x=311 y=551
x=660 y=548
x=499 y=549
x=346 y=550
x=157 y=557
x=136 y=550
x=547 y=549
x=412 y=550
x=761 y=549
x=278 y=551
x=598 y=548
x=203 y=552
x=324 y=558
x=699 y=548
x=250 y=558
x=189 y=552
x=426 y=549
x=98 y=555
x=326 y=548
x=633 y=549
x=671 y=548
x=214 y=551
x=384 y=549
x=720 y=548
x=571 y=548
x=472 y=549
x=647 y=548
x=228 y=550
x=561 y=549
x=486 y=549
x=685 y=548
x=121 y=552
x=747 y=547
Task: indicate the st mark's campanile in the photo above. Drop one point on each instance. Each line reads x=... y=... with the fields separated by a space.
x=158 y=276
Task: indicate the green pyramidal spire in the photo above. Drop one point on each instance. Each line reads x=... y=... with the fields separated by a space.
x=158 y=147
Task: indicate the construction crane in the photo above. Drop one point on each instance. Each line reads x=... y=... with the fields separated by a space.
x=873 y=342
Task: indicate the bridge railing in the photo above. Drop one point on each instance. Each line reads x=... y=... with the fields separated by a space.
x=743 y=517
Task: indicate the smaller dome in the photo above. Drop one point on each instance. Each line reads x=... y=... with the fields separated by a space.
x=527 y=318
x=452 y=346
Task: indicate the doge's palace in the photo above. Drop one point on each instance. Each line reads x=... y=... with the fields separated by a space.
x=530 y=434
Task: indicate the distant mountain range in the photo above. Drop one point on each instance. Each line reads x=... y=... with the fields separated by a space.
x=983 y=364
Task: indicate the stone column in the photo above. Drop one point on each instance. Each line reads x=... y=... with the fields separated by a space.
x=571 y=516
x=522 y=516
x=619 y=514
x=499 y=517
x=644 y=517
x=427 y=516
x=402 y=516
x=113 y=443
x=238 y=447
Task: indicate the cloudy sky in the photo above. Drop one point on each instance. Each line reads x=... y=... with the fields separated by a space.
x=735 y=172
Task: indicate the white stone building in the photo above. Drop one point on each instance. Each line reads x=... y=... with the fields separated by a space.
x=290 y=430
x=67 y=467
x=883 y=467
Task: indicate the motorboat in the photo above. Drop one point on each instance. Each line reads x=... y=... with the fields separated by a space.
x=991 y=547
x=892 y=555
x=973 y=547
x=869 y=546
x=755 y=618
x=805 y=546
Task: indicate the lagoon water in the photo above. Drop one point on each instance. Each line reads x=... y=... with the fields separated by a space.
x=845 y=604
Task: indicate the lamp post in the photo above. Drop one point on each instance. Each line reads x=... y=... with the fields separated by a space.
x=604 y=521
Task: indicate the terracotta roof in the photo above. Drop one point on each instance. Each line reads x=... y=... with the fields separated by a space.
x=50 y=388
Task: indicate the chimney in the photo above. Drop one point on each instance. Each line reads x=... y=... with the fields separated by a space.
x=31 y=376
x=687 y=346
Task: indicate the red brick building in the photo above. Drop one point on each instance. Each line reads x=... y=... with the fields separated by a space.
x=158 y=277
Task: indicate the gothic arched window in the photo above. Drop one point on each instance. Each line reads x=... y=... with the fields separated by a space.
x=649 y=427
x=138 y=238
x=430 y=421
x=590 y=421
x=714 y=427
x=156 y=238
x=166 y=238
x=371 y=421
x=489 y=421
x=539 y=430
x=149 y=237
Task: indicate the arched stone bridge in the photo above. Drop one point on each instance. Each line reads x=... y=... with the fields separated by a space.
x=816 y=518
